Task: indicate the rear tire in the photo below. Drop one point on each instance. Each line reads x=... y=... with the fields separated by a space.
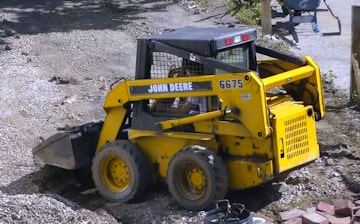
x=121 y=171
x=197 y=178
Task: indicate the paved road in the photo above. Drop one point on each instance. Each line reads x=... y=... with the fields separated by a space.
x=330 y=52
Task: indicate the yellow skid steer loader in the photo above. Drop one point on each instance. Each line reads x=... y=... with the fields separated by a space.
x=202 y=114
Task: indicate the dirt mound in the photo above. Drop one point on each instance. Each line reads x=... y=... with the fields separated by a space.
x=34 y=208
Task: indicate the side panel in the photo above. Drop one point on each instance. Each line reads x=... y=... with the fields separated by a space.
x=246 y=147
x=294 y=137
x=161 y=146
x=249 y=160
x=246 y=173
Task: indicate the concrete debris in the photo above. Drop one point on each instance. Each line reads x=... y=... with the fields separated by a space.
x=340 y=212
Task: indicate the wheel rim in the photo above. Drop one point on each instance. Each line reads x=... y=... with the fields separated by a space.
x=115 y=173
x=192 y=180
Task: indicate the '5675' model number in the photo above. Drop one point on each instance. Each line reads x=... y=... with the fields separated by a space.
x=230 y=84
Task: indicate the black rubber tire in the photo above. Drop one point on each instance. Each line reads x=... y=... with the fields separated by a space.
x=200 y=162
x=121 y=171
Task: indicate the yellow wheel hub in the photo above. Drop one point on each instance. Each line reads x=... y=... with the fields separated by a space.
x=115 y=173
x=196 y=179
x=192 y=180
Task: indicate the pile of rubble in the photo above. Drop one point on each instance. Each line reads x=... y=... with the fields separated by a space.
x=340 y=212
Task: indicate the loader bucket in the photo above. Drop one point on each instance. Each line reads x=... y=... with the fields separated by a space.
x=72 y=149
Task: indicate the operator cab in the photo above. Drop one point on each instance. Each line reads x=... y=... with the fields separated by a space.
x=178 y=53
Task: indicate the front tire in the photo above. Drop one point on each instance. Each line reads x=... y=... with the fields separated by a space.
x=197 y=178
x=121 y=171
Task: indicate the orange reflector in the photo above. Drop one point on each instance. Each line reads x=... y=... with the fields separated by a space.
x=228 y=41
x=245 y=37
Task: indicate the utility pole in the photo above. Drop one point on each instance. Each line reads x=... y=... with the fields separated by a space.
x=266 y=17
x=355 y=55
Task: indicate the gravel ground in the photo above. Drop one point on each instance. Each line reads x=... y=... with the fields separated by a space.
x=58 y=60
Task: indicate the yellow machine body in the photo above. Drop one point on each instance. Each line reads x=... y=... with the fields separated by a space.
x=268 y=136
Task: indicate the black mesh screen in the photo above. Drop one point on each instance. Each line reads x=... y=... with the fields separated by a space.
x=165 y=65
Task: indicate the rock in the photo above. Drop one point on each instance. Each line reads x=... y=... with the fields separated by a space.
x=338 y=220
x=9 y=32
x=329 y=162
x=297 y=220
x=311 y=210
x=336 y=174
x=293 y=213
x=325 y=207
x=7 y=47
x=25 y=53
x=314 y=218
x=343 y=207
x=356 y=212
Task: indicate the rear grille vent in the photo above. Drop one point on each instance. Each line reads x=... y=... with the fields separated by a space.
x=296 y=137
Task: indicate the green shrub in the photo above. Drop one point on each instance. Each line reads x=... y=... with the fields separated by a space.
x=278 y=45
x=329 y=77
x=246 y=11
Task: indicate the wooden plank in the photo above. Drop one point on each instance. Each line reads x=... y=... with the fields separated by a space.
x=355 y=49
x=266 y=17
x=356 y=75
